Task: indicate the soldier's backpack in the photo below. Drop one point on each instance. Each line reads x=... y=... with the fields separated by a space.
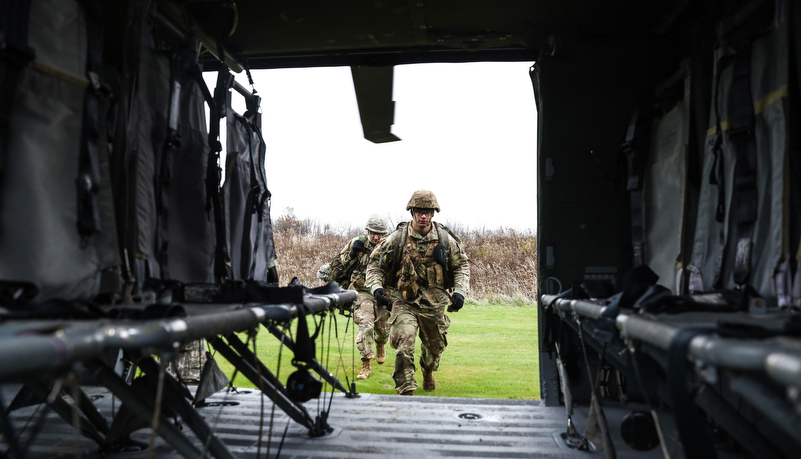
x=341 y=273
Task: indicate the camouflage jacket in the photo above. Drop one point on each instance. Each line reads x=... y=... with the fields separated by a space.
x=356 y=281
x=418 y=272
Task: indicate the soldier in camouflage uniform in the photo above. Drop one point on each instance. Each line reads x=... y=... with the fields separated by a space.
x=421 y=261
x=370 y=317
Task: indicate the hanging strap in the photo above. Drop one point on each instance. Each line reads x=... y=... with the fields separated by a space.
x=15 y=54
x=636 y=149
x=222 y=260
x=172 y=142
x=718 y=171
x=88 y=180
x=743 y=140
x=263 y=205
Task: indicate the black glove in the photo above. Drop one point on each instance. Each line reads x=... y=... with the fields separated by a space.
x=358 y=246
x=381 y=296
x=457 y=302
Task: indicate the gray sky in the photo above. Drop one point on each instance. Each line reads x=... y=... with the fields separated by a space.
x=468 y=134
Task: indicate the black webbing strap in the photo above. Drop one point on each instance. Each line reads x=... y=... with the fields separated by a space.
x=88 y=181
x=172 y=142
x=693 y=430
x=716 y=172
x=635 y=147
x=263 y=208
x=222 y=260
x=743 y=140
x=14 y=55
x=305 y=348
x=222 y=102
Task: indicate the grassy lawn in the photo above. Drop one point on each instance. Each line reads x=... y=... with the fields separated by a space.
x=492 y=353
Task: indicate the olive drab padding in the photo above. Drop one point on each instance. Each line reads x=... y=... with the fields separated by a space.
x=423 y=199
x=377 y=224
x=341 y=273
x=408 y=280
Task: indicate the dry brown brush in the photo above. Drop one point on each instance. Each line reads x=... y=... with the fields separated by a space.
x=502 y=261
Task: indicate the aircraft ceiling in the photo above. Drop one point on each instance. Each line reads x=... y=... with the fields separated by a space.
x=298 y=33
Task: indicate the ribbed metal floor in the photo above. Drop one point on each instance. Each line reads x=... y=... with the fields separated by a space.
x=371 y=426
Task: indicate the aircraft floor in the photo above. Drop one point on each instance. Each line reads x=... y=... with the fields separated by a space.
x=370 y=426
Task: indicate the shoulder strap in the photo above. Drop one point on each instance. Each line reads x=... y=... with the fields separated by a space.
x=444 y=235
x=390 y=277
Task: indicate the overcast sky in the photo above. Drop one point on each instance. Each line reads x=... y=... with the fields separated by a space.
x=468 y=134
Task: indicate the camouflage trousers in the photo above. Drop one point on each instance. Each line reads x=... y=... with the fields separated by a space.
x=189 y=361
x=372 y=321
x=407 y=321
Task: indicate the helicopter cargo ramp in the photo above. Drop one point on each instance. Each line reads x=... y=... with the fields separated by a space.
x=369 y=426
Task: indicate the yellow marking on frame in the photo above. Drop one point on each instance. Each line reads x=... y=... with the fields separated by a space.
x=759 y=107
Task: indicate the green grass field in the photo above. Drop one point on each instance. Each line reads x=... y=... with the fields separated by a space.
x=492 y=353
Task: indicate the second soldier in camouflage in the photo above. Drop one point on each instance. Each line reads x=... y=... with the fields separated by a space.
x=370 y=317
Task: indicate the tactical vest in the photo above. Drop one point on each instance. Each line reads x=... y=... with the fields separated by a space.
x=412 y=270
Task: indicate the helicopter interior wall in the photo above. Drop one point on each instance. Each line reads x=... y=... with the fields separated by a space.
x=38 y=237
x=585 y=103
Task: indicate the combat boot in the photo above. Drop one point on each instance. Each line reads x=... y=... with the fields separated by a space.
x=366 y=370
x=428 y=380
x=408 y=392
x=380 y=354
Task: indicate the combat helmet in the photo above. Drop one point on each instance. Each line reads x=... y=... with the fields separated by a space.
x=377 y=224
x=423 y=199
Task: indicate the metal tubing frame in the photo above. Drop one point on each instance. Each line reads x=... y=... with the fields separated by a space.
x=143 y=409
x=86 y=427
x=581 y=307
x=769 y=405
x=294 y=410
x=89 y=409
x=772 y=356
x=84 y=340
x=731 y=420
x=81 y=340
x=242 y=349
x=173 y=396
x=313 y=364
